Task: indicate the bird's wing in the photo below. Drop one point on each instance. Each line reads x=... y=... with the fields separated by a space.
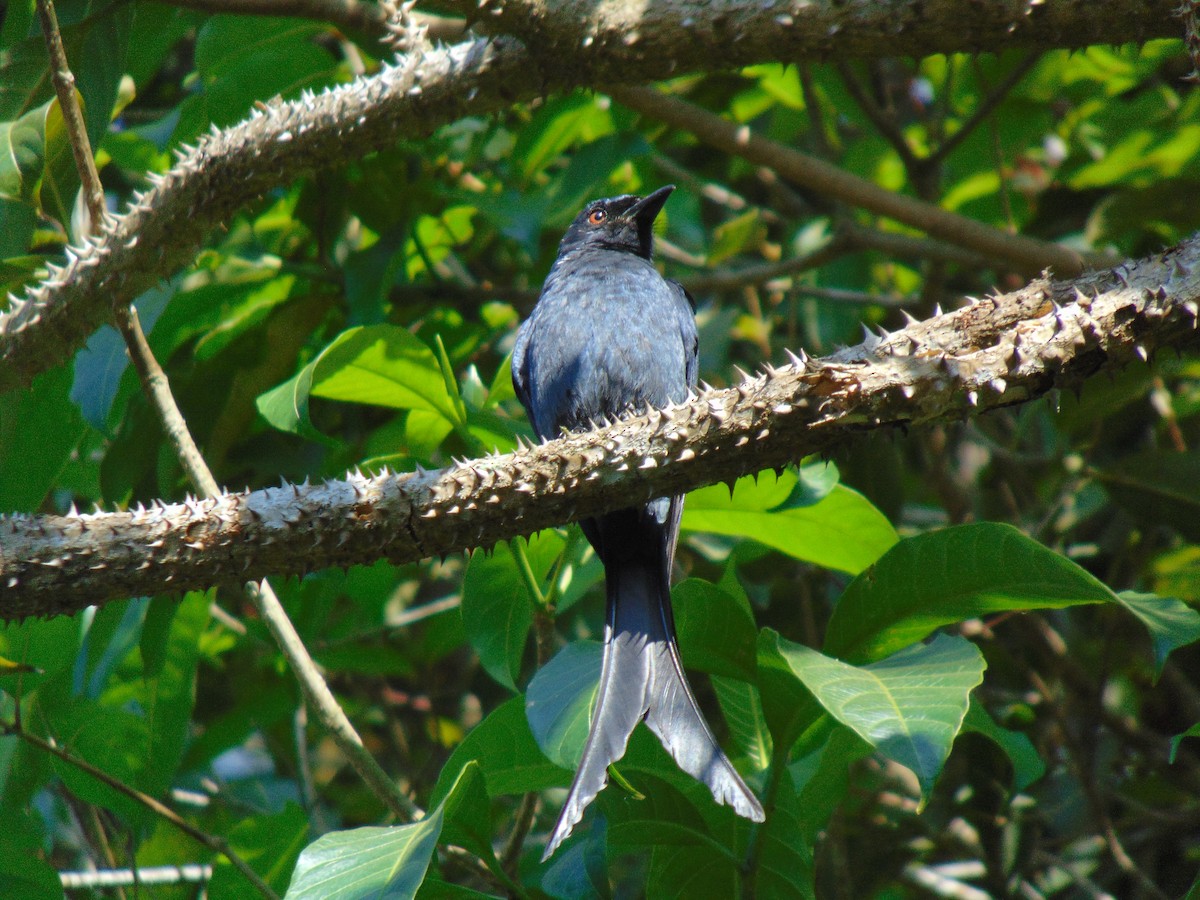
x=685 y=310
x=519 y=375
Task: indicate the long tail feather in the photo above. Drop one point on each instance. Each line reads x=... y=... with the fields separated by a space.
x=641 y=677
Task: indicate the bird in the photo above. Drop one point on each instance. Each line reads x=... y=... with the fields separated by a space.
x=609 y=335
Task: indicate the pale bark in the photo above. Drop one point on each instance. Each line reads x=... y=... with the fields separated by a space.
x=562 y=45
x=993 y=352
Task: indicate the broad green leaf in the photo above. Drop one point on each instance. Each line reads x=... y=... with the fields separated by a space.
x=958 y=573
x=743 y=233
x=1158 y=488
x=822 y=776
x=744 y=715
x=661 y=816
x=497 y=607
x=379 y=364
x=112 y=740
x=375 y=862
x=23 y=154
x=559 y=701
x=270 y=844
x=561 y=122
x=23 y=874
x=716 y=631
x=39 y=429
x=285 y=406
x=435 y=237
x=507 y=754
x=947 y=576
x=909 y=706
x=1027 y=765
x=841 y=531
x=243 y=59
x=384 y=365
x=785 y=863
x=1171 y=623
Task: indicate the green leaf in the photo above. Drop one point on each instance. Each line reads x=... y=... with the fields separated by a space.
x=23 y=153
x=384 y=365
x=1027 y=765
x=822 y=775
x=241 y=60
x=507 y=754
x=742 y=233
x=909 y=706
x=742 y=706
x=1171 y=623
x=841 y=531
x=947 y=576
x=375 y=862
x=559 y=701
x=378 y=364
x=785 y=863
x=39 y=429
x=1192 y=732
x=716 y=630
x=497 y=608
x=788 y=707
x=270 y=845
x=561 y=122
x=1157 y=488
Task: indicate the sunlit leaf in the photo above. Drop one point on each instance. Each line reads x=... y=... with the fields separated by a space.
x=909 y=706
x=840 y=531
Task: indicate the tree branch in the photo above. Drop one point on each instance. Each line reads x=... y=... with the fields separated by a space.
x=1025 y=253
x=995 y=352
x=567 y=44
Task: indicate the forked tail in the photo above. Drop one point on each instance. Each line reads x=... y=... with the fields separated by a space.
x=642 y=677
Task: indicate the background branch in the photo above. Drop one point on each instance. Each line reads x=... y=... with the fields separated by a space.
x=624 y=43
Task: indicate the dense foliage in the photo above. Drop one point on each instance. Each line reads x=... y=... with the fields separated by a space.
x=891 y=639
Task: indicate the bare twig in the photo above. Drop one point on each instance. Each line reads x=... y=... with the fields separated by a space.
x=993 y=99
x=194 y=873
x=214 y=843
x=64 y=88
x=158 y=392
x=881 y=118
x=1027 y=254
x=318 y=695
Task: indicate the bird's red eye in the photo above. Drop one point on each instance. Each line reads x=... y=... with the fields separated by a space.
x=597 y=216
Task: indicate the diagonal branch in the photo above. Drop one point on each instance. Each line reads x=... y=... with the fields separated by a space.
x=1027 y=254
x=566 y=44
x=995 y=352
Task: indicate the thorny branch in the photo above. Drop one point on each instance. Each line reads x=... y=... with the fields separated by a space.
x=994 y=352
x=562 y=46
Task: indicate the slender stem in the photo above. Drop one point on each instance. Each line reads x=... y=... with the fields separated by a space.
x=214 y=843
x=881 y=118
x=64 y=88
x=158 y=392
x=510 y=856
x=775 y=777
x=526 y=570
x=318 y=696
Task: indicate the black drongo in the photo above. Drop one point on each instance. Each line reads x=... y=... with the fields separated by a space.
x=609 y=334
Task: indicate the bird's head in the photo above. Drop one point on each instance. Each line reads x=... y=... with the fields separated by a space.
x=624 y=223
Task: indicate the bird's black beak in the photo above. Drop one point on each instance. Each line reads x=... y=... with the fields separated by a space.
x=646 y=210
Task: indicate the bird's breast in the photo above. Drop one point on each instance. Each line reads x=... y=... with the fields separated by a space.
x=604 y=336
